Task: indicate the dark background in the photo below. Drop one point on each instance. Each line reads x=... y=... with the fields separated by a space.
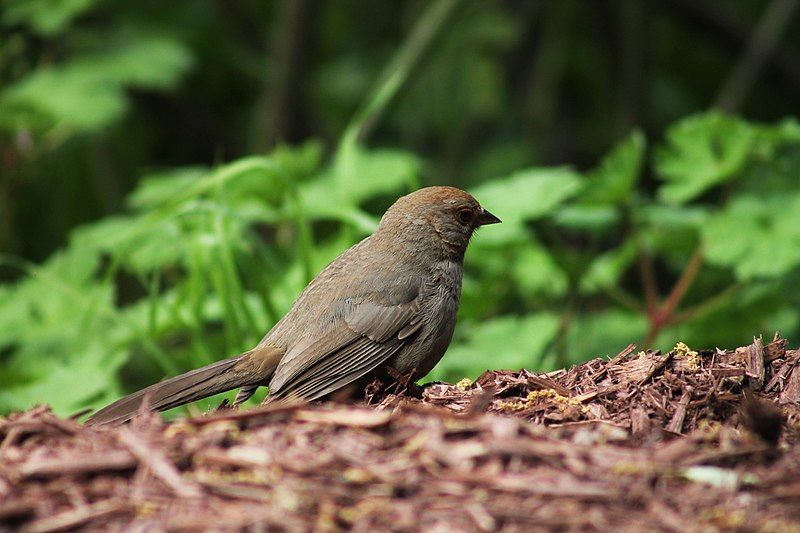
x=505 y=85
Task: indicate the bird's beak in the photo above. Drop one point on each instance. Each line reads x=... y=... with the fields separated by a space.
x=487 y=218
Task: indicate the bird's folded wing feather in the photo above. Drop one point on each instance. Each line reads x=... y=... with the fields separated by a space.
x=365 y=337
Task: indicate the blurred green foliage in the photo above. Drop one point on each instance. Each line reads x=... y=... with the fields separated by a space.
x=684 y=228
x=214 y=256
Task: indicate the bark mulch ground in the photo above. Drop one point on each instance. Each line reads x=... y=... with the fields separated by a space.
x=646 y=441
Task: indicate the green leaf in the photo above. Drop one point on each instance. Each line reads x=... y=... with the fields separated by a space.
x=537 y=273
x=701 y=152
x=162 y=187
x=525 y=195
x=603 y=333
x=358 y=175
x=756 y=237
x=46 y=17
x=671 y=229
x=506 y=342
x=146 y=62
x=673 y=217
x=594 y=218
x=87 y=94
x=605 y=270
x=93 y=368
x=362 y=174
x=615 y=178
x=62 y=97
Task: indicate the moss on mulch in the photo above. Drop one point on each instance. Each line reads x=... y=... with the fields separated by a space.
x=645 y=441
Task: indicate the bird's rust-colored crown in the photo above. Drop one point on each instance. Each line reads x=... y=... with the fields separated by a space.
x=437 y=194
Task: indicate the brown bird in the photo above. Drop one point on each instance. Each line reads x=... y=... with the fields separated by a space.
x=388 y=301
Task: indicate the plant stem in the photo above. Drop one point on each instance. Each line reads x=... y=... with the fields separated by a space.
x=682 y=285
x=398 y=71
x=649 y=282
x=625 y=299
x=762 y=44
x=709 y=305
x=665 y=313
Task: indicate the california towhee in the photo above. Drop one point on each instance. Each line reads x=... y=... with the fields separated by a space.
x=388 y=301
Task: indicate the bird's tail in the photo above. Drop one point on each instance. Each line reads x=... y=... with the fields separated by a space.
x=217 y=377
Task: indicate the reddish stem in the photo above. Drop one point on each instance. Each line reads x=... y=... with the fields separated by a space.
x=664 y=314
x=649 y=282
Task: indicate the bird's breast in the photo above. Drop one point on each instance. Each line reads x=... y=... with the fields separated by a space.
x=439 y=305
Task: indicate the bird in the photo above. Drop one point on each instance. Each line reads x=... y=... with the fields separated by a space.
x=388 y=302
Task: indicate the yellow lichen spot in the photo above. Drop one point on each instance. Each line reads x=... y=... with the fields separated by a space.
x=464 y=384
x=416 y=442
x=553 y=395
x=710 y=429
x=146 y=509
x=627 y=468
x=513 y=405
x=692 y=358
x=357 y=475
x=179 y=427
x=562 y=402
x=729 y=519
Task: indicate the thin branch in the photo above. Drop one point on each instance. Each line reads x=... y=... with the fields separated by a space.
x=760 y=48
x=648 y=281
x=274 y=122
x=708 y=305
x=724 y=18
x=631 y=38
x=682 y=285
x=664 y=314
x=625 y=299
x=397 y=72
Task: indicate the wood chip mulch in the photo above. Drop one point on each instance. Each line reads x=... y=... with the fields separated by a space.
x=682 y=441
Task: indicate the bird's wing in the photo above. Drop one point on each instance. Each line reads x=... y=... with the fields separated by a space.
x=362 y=339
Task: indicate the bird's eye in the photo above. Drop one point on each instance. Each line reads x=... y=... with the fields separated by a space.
x=465 y=216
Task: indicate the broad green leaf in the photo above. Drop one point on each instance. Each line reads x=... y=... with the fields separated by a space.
x=603 y=333
x=671 y=229
x=155 y=189
x=593 y=218
x=45 y=305
x=536 y=273
x=361 y=174
x=673 y=217
x=140 y=248
x=506 y=342
x=615 y=178
x=62 y=97
x=67 y=386
x=756 y=237
x=525 y=195
x=786 y=131
x=146 y=62
x=701 y=152
x=46 y=17
x=87 y=94
x=358 y=175
x=605 y=270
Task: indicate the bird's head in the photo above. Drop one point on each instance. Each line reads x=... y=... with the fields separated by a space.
x=444 y=214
